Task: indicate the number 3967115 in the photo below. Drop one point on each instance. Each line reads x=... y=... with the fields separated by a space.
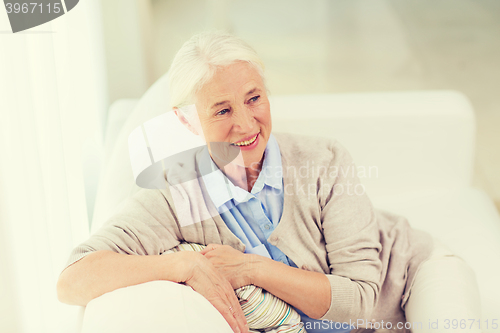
x=33 y=7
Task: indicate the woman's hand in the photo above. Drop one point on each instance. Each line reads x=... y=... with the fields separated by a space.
x=234 y=265
x=205 y=279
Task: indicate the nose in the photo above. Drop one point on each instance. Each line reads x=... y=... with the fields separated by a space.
x=244 y=120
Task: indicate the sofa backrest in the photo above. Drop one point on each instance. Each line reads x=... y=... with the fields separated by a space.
x=405 y=141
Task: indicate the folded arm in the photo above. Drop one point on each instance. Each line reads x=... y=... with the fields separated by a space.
x=104 y=271
x=127 y=251
x=351 y=238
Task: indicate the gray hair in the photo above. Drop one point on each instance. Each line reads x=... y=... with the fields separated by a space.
x=199 y=58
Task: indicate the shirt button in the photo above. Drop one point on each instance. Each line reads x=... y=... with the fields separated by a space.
x=267 y=227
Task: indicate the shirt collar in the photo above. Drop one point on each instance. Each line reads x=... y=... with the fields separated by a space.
x=222 y=190
x=272 y=173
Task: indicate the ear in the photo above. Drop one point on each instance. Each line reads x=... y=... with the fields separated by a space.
x=184 y=121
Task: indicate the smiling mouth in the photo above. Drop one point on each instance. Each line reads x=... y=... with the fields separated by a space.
x=247 y=142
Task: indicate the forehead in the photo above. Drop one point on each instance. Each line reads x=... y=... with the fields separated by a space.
x=231 y=81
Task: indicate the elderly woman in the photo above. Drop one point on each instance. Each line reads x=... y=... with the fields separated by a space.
x=312 y=238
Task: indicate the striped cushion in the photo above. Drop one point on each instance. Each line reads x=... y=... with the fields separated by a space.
x=264 y=311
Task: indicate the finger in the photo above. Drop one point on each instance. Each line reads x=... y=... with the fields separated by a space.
x=240 y=316
x=210 y=247
x=234 y=305
x=228 y=313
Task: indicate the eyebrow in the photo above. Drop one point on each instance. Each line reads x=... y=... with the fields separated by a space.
x=224 y=102
x=217 y=104
x=252 y=91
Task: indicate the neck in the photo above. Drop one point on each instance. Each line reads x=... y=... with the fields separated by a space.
x=243 y=177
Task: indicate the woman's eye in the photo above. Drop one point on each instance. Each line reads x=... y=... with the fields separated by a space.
x=222 y=112
x=255 y=98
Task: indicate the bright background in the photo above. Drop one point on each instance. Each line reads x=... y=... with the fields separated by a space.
x=57 y=81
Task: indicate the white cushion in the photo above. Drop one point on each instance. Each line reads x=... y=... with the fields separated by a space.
x=117 y=181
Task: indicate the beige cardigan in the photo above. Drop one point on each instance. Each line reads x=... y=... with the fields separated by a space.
x=328 y=225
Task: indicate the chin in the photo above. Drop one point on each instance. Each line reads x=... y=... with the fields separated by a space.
x=253 y=160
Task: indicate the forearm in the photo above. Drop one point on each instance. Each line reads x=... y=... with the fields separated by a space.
x=308 y=291
x=104 y=271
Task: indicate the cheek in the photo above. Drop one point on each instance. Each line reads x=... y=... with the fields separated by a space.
x=217 y=131
x=263 y=114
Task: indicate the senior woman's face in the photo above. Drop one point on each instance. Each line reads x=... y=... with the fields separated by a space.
x=233 y=107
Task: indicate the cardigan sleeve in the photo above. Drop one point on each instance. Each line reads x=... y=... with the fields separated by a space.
x=146 y=225
x=351 y=236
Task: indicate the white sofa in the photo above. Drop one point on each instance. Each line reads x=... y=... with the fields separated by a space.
x=418 y=146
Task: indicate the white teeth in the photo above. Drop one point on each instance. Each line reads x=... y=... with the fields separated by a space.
x=246 y=143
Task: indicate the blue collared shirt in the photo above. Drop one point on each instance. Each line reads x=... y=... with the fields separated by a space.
x=253 y=216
